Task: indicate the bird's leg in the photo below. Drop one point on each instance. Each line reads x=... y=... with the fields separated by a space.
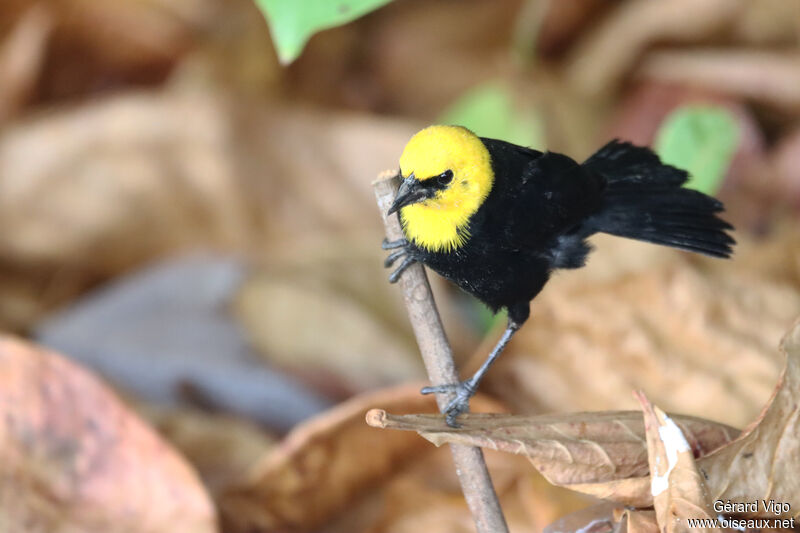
x=467 y=388
x=403 y=252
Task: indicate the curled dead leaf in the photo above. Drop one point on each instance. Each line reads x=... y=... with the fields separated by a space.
x=762 y=463
x=338 y=473
x=292 y=488
x=602 y=454
x=425 y=495
x=74 y=458
x=678 y=489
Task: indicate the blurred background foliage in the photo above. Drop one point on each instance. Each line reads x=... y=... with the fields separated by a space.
x=293 y=23
x=186 y=210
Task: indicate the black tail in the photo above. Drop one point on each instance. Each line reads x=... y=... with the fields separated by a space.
x=644 y=200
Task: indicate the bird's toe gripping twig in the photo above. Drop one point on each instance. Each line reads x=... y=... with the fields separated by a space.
x=401 y=250
x=391 y=245
x=463 y=391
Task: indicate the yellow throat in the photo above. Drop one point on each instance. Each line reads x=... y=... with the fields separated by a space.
x=441 y=223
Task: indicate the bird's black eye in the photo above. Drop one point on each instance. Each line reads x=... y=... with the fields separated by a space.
x=445 y=177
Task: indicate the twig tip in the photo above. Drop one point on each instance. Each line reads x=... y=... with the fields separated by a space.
x=376 y=418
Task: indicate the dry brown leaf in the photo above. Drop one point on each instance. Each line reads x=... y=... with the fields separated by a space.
x=600 y=60
x=179 y=168
x=564 y=22
x=133 y=34
x=762 y=463
x=328 y=315
x=603 y=454
x=426 y=496
x=21 y=57
x=117 y=44
x=768 y=22
x=775 y=258
x=223 y=448
x=167 y=182
x=769 y=77
x=324 y=466
x=471 y=44
x=679 y=492
x=312 y=318
x=381 y=483
x=75 y=459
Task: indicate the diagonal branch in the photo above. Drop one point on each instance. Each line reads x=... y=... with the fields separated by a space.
x=438 y=358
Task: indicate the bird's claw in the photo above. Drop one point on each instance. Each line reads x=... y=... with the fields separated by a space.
x=408 y=260
x=391 y=245
x=392 y=257
x=462 y=391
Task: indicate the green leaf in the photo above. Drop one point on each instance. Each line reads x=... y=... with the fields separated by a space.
x=293 y=22
x=489 y=111
x=700 y=139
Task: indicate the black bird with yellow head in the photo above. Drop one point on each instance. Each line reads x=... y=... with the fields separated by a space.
x=497 y=219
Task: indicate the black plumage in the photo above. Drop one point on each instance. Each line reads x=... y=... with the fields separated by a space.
x=541 y=209
x=543 y=206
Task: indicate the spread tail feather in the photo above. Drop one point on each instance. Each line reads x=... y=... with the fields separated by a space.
x=645 y=200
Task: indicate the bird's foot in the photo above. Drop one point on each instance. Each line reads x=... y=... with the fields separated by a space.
x=391 y=245
x=463 y=391
x=401 y=250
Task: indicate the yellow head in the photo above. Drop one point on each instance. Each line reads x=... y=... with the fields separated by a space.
x=447 y=175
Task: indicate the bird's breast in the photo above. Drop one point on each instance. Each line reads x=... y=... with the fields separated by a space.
x=435 y=229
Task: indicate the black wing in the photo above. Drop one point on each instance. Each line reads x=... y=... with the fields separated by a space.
x=541 y=196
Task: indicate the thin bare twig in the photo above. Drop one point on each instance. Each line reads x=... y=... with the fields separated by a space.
x=438 y=358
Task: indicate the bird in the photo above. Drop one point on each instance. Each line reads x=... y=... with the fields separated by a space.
x=497 y=219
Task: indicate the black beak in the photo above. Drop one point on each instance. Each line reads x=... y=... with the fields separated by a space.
x=410 y=192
